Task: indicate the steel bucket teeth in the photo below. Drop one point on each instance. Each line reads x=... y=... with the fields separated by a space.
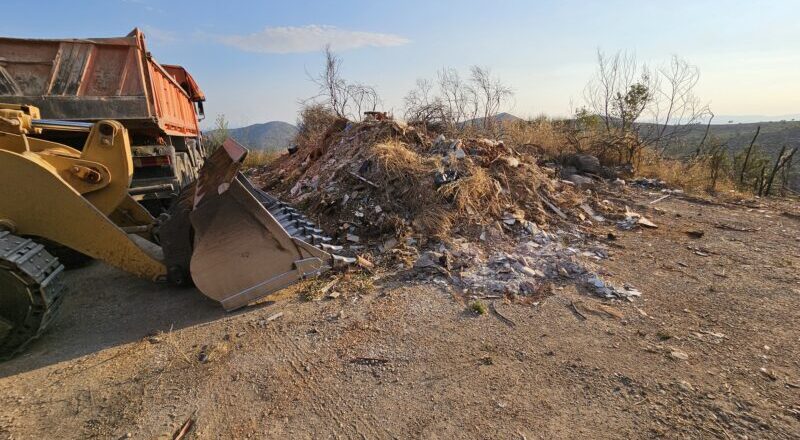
x=330 y=247
x=247 y=244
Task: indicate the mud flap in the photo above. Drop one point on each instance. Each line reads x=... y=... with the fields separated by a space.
x=240 y=251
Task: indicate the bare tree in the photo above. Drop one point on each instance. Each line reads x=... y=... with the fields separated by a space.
x=490 y=94
x=620 y=90
x=747 y=155
x=675 y=108
x=423 y=106
x=454 y=94
x=345 y=99
x=643 y=107
x=453 y=101
x=362 y=98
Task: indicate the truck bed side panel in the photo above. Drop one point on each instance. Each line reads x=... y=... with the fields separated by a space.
x=107 y=78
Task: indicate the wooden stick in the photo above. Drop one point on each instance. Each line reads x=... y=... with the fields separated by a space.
x=659 y=199
x=507 y=321
x=187 y=425
x=363 y=179
x=577 y=312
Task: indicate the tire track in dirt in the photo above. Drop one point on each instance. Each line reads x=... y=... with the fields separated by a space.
x=298 y=354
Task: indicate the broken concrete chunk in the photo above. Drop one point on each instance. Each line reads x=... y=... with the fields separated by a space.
x=580 y=181
x=428 y=259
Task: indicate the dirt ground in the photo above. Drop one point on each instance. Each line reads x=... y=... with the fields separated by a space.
x=710 y=350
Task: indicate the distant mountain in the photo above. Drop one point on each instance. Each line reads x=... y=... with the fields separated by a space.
x=500 y=117
x=269 y=136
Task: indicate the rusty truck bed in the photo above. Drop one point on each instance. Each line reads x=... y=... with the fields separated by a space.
x=102 y=78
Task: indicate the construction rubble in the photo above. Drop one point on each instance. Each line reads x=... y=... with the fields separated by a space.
x=481 y=217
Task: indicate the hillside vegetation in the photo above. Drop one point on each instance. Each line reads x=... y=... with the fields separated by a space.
x=268 y=136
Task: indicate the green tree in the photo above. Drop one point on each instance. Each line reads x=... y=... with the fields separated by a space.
x=217 y=136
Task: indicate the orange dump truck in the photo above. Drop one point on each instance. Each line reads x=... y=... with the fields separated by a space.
x=87 y=80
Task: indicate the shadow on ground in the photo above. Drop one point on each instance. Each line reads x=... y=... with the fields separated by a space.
x=106 y=307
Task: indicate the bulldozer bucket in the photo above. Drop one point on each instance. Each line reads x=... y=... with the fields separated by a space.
x=247 y=244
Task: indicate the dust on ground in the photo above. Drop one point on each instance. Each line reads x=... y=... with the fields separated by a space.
x=710 y=350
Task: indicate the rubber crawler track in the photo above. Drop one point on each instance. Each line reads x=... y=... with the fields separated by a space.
x=31 y=267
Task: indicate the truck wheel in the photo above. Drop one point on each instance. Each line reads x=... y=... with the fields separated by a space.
x=31 y=292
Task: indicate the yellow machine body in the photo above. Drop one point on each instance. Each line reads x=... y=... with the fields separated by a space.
x=66 y=196
x=234 y=241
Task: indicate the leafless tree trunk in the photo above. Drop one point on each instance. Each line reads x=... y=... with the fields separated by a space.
x=705 y=135
x=779 y=163
x=747 y=155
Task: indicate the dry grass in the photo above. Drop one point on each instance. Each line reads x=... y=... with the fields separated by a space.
x=397 y=161
x=542 y=137
x=256 y=158
x=694 y=176
x=476 y=192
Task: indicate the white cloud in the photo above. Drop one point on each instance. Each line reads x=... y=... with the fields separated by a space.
x=310 y=38
x=160 y=36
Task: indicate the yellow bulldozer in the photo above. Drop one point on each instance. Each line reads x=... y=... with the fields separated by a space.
x=234 y=242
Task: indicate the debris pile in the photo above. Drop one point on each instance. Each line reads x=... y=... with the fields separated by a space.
x=445 y=208
x=372 y=181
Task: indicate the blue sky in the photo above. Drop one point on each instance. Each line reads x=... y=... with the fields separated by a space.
x=251 y=57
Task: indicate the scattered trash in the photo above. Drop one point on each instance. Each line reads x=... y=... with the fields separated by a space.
x=184 y=428
x=644 y=221
x=370 y=361
x=576 y=311
x=729 y=227
x=580 y=181
x=443 y=177
x=633 y=219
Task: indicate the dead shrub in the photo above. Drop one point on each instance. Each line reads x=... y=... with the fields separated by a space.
x=693 y=176
x=542 y=137
x=312 y=124
x=257 y=158
x=400 y=162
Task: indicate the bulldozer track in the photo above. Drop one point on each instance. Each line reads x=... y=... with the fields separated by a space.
x=28 y=305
